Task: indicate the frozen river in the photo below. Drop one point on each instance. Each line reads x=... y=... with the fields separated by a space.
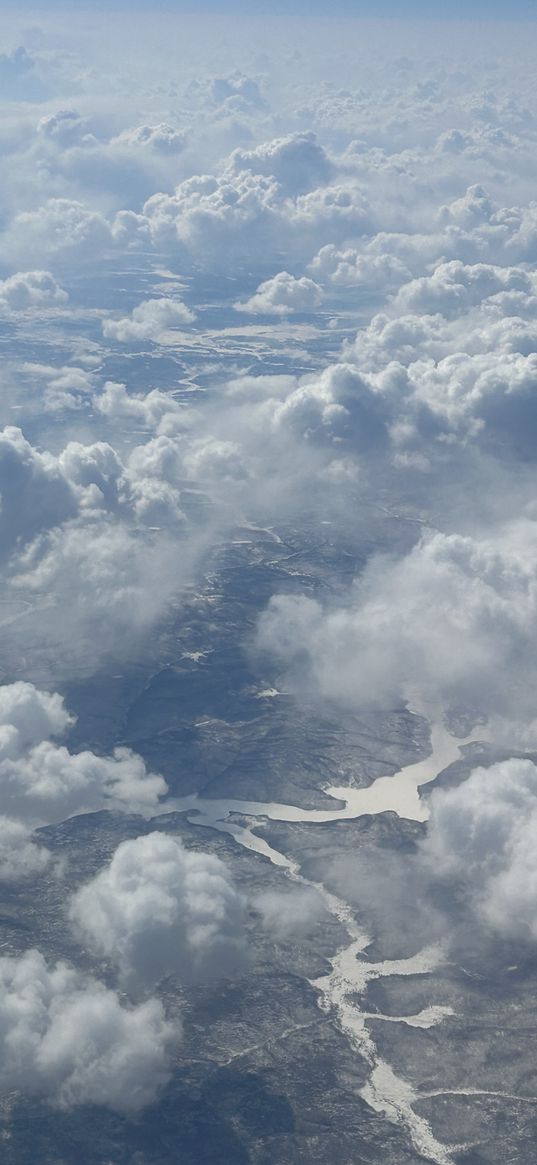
x=350 y=971
x=396 y=794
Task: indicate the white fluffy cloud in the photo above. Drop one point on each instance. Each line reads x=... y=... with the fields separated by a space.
x=282 y=196
x=483 y=833
x=149 y=409
x=20 y=853
x=454 y=623
x=298 y=162
x=42 y=782
x=34 y=494
x=30 y=289
x=282 y=295
x=162 y=138
x=150 y=320
x=66 y=127
x=28 y=716
x=159 y=909
x=366 y=272
x=95 y=468
x=107 y=584
x=49 y=783
x=456 y=287
x=62 y=226
x=61 y=387
x=67 y=1038
x=76 y=527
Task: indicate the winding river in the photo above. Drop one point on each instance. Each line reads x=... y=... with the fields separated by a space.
x=349 y=974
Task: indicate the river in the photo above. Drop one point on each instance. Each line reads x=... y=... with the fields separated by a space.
x=350 y=972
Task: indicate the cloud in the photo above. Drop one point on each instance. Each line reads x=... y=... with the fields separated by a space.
x=455 y=287
x=150 y=320
x=474 y=208
x=453 y=357
x=162 y=138
x=106 y=585
x=83 y=156
x=19 y=77
x=30 y=289
x=21 y=855
x=42 y=782
x=237 y=87
x=77 y=527
x=263 y=201
x=97 y=466
x=282 y=295
x=49 y=784
x=28 y=716
x=290 y=914
x=62 y=227
x=159 y=909
x=483 y=834
x=34 y=494
x=67 y=1038
x=215 y=219
x=334 y=406
x=297 y=162
x=66 y=128
x=367 y=272
x=152 y=410
x=208 y=459
x=60 y=387
x=451 y=624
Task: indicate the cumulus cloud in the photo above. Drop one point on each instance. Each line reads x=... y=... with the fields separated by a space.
x=159 y=909
x=282 y=295
x=60 y=387
x=48 y=490
x=21 y=855
x=267 y=199
x=95 y=468
x=30 y=289
x=85 y=529
x=66 y=127
x=63 y=227
x=365 y=271
x=42 y=782
x=107 y=584
x=298 y=162
x=162 y=138
x=451 y=624
x=148 y=409
x=236 y=91
x=67 y=1038
x=483 y=834
x=150 y=320
x=210 y=459
x=50 y=783
x=28 y=716
x=455 y=287
x=34 y=494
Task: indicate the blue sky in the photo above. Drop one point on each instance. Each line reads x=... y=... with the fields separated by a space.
x=411 y=9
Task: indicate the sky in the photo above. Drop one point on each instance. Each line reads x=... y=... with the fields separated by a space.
x=482 y=10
